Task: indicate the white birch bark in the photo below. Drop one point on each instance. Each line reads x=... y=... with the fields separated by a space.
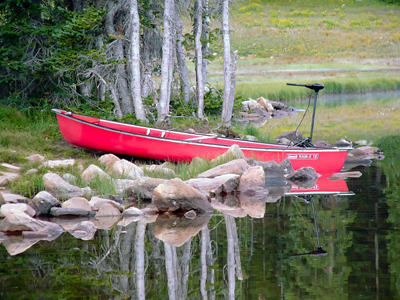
x=231 y=257
x=163 y=105
x=205 y=36
x=203 y=259
x=181 y=57
x=140 y=260
x=135 y=61
x=199 y=60
x=226 y=112
x=171 y=271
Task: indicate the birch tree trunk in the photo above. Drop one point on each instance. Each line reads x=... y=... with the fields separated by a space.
x=205 y=48
x=226 y=111
x=163 y=105
x=181 y=58
x=199 y=60
x=140 y=260
x=135 y=62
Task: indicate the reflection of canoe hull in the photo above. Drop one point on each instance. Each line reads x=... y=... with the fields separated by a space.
x=139 y=141
x=323 y=186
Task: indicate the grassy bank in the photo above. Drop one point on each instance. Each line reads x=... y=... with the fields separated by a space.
x=349 y=46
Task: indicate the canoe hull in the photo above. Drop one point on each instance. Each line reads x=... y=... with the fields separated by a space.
x=86 y=132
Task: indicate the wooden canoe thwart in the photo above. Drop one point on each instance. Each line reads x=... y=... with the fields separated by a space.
x=140 y=141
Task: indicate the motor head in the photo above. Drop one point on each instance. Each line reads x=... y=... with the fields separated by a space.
x=313 y=86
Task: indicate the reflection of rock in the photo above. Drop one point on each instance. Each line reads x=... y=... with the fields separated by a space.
x=84 y=230
x=351 y=163
x=16 y=244
x=234 y=211
x=276 y=191
x=254 y=207
x=175 y=231
x=304 y=178
x=175 y=195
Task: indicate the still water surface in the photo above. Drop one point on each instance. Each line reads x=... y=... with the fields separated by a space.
x=268 y=256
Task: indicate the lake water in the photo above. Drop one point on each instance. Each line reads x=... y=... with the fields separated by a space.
x=316 y=247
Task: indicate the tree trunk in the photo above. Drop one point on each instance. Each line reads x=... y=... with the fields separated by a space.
x=205 y=36
x=163 y=105
x=122 y=89
x=180 y=55
x=199 y=60
x=140 y=260
x=233 y=80
x=135 y=61
x=226 y=111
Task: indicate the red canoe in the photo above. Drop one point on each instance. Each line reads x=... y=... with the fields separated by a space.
x=152 y=143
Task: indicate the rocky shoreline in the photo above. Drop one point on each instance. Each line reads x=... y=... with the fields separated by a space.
x=239 y=187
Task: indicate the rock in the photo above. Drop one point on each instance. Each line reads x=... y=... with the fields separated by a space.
x=77 y=202
x=174 y=195
x=59 y=188
x=343 y=143
x=254 y=106
x=6 y=208
x=96 y=203
x=343 y=175
x=108 y=160
x=121 y=185
x=8 y=177
x=16 y=221
x=158 y=169
x=31 y=171
x=196 y=162
x=2 y=200
x=14 y=198
x=84 y=230
x=266 y=104
x=70 y=178
x=234 y=152
x=252 y=177
x=59 y=163
x=70 y=211
x=108 y=210
x=11 y=168
x=36 y=158
x=237 y=166
x=293 y=136
x=322 y=144
x=43 y=202
x=305 y=177
x=227 y=183
x=175 y=231
x=92 y=172
x=132 y=211
x=366 y=152
x=143 y=188
x=127 y=169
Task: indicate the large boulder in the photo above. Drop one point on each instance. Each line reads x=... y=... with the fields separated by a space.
x=59 y=188
x=305 y=177
x=175 y=195
x=77 y=202
x=224 y=184
x=43 y=202
x=237 y=166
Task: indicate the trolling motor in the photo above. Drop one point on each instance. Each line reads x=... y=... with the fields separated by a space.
x=307 y=142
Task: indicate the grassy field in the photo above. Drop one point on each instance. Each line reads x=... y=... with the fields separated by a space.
x=349 y=46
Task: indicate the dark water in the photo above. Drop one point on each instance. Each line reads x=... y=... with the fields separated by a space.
x=269 y=257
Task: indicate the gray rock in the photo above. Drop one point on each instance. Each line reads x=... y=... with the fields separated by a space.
x=66 y=211
x=108 y=160
x=96 y=203
x=108 y=210
x=43 y=202
x=59 y=188
x=93 y=172
x=127 y=169
x=77 y=202
x=59 y=163
x=305 y=177
x=144 y=187
x=293 y=136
